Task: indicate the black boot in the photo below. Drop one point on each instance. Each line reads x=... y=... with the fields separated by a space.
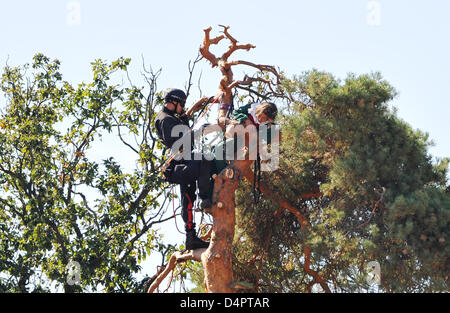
x=193 y=242
x=205 y=204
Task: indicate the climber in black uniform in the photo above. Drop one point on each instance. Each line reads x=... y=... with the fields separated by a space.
x=186 y=171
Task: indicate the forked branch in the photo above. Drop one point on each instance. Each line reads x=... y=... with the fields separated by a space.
x=177 y=257
x=207 y=42
x=234 y=46
x=227 y=83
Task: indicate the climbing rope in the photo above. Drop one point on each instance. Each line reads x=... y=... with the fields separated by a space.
x=257 y=180
x=174 y=211
x=201 y=229
x=231 y=108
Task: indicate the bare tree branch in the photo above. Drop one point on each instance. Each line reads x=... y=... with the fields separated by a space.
x=191 y=67
x=207 y=42
x=227 y=82
x=234 y=46
x=176 y=258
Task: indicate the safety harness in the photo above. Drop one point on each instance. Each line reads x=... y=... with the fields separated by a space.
x=167 y=163
x=202 y=113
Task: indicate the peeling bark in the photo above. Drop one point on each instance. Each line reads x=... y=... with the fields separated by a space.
x=217 y=259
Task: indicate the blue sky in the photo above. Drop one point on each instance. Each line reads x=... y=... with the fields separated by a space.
x=408 y=44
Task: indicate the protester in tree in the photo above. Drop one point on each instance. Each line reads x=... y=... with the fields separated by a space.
x=256 y=114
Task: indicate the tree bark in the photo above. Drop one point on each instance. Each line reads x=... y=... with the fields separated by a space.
x=217 y=259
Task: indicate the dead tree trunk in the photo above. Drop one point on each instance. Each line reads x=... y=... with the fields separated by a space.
x=217 y=259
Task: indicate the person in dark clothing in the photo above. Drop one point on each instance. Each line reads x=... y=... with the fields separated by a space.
x=186 y=171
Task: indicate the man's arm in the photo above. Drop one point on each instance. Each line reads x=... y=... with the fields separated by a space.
x=197 y=106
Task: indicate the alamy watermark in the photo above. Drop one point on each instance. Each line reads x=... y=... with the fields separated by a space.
x=373 y=17
x=73 y=17
x=374 y=273
x=74 y=273
x=237 y=143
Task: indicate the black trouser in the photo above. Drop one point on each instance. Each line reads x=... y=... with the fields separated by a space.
x=186 y=173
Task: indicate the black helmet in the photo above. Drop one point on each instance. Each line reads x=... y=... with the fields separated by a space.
x=176 y=95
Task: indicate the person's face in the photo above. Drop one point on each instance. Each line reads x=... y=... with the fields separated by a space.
x=262 y=117
x=177 y=107
x=180 y=108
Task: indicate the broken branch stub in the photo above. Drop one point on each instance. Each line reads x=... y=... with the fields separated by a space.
x=177 y=257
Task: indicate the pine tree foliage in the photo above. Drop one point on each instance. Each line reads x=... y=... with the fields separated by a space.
x=371 y=192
